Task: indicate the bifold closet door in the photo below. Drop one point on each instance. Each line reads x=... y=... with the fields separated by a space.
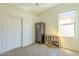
x=10 y=33
x=0 y=35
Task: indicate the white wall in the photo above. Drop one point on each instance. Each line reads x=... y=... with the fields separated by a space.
x=28 y=23
x=29 y=29
x=50 y=17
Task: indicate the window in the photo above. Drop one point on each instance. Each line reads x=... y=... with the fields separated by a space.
x=67 y=24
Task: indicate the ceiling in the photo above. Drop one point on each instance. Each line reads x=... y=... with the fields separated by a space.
x=32 y=7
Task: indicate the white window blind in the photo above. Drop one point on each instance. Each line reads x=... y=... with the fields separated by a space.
x=67 y=24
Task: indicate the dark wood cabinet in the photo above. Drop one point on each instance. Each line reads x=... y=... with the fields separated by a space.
x=40 y=32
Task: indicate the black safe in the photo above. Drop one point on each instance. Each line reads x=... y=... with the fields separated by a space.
x=40 y=32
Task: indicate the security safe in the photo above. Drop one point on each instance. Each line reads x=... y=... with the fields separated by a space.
x=40 y=32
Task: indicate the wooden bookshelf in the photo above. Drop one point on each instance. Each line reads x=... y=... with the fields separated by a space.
x=52 y=41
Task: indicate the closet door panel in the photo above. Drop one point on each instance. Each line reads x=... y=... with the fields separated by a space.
x=0 y=34
x=16 y=33
x=4 y=34
x=10 y=33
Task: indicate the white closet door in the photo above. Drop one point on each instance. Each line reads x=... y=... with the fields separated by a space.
x=10 y=33
x=4 y=34
x=15 y=33
x=8 y=41
x=0 y=34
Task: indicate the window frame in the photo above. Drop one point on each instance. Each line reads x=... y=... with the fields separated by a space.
x=75 y=24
